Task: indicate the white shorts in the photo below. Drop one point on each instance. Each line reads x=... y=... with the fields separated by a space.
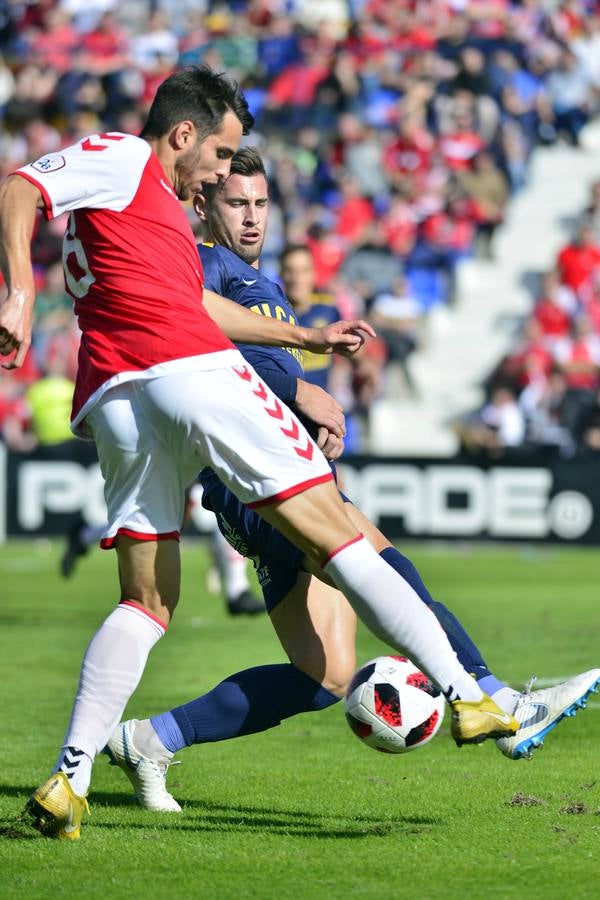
x=153 y=437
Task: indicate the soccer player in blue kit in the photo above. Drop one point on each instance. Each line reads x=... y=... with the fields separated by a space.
x=313 y=620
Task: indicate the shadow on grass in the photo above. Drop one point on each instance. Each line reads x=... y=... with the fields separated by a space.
x=227 y=825
x=15 y=830
x=208 y=816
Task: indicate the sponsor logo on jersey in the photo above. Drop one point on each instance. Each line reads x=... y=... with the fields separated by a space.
x=49 y=163
x=249 y=281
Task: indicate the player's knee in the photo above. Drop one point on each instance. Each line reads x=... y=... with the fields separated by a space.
x=338 y=677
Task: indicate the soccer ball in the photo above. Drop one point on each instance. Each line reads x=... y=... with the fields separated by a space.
x=392 y=706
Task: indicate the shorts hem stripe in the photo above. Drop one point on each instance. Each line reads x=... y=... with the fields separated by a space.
x=108 y=543
x=292 y=491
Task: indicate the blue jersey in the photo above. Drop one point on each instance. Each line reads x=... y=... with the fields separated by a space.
x=322 y=312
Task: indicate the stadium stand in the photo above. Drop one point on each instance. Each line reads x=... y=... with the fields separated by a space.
x=407 y=145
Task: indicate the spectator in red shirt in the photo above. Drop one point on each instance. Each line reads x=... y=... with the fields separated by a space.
x=451 y=229
x=293 y=91
x=554 y=309
x=530 y=361
x=354 y=213
x=462 y=143
x=446 y=237
x=105 y=49
x=327 y=253
x=591 y=302
x=579 y=356
x=409 y=156
x=578 y=261
x=56 y=42
x=400 y=225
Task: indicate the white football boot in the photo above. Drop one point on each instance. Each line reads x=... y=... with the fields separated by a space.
x=148 y=776
x=538 y=712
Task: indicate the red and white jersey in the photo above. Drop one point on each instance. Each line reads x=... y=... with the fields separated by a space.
x=130 y=262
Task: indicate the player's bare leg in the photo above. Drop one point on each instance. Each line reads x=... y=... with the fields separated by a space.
x=317 y=629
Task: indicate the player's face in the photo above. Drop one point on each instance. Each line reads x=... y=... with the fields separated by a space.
x=236 y=215
x=298 y=276
x=207 y=161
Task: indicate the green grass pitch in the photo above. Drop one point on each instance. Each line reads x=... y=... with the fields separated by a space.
x=305 y=811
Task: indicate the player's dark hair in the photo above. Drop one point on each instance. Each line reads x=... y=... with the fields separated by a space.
x=200 y=95
x=289 y=249
x=247 y=161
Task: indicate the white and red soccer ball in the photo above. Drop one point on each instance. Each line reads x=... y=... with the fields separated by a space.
x=392 y=706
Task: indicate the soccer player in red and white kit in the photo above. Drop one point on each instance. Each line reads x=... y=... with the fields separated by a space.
x=163 y=393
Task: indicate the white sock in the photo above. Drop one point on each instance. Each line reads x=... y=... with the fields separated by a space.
x=506 y=698
x=233 y=568
x=112 y=667
x=394 y=612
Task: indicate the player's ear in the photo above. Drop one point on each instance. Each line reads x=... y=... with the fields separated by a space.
x=183 y=135
x=199 y=202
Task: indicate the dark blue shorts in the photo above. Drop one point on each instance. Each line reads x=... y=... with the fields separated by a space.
x=277 y=561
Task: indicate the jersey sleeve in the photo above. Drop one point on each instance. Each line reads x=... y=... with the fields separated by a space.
x=102 y=171
x=216 y=275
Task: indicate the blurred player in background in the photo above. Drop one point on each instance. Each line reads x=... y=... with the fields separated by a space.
x=163 y=391
x=312 y=309
x=358 y=379
x=313 y=620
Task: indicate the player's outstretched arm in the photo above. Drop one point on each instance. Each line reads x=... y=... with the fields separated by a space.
x=242 y=326
x=344 y=337
x=19 y=200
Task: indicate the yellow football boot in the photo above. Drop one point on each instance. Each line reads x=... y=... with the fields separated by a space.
x=55 y=810
x=474 y=721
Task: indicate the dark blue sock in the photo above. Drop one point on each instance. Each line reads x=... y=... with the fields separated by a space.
x=245 y=703
x=466 y=651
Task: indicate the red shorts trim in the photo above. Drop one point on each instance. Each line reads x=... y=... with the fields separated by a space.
x=359 y=537
x=291 y=492
x=109 y=542
x=143 y=609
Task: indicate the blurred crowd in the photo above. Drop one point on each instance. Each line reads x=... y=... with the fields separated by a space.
x=546 y=391
x=395 y=133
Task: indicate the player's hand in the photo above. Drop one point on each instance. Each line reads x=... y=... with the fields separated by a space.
x=16 y=313
x=331 y=445
x=320 y=407
x=341 y=337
